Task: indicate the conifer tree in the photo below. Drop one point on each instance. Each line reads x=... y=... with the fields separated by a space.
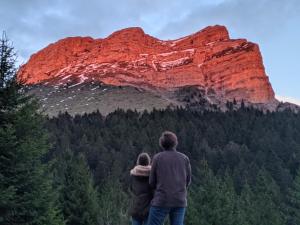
x=78 y=197
x=246 y=205
x=27 y=196
x=293 y=203
x=213 y=201
x=267 y=199
x=113 y=203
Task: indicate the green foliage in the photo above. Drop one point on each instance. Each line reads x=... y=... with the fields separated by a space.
x=7 y=61
x=251 y=158
x=247 y=206
x=27 y=196
x=114 y=203
x=293 y=202
x=214 y=201
x=78 y=197
x=267 y=200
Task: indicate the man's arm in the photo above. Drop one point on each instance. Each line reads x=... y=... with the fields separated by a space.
x=152 y=178
x=189 y=172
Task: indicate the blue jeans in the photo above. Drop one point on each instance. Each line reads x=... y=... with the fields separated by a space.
x=157 y=215
x=138 y=222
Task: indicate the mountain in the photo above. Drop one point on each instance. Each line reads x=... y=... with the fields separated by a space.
x=209 y=59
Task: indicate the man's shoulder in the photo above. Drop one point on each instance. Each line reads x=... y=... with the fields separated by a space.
x=160 y=156
x=156 y=156
x=165 y=153
x=183 y=155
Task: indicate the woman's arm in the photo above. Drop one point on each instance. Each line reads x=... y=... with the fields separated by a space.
x=152 y=178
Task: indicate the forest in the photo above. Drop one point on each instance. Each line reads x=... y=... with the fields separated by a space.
x=245 y=162
x=69 y=170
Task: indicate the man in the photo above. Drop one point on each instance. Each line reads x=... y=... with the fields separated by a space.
x=170 y=176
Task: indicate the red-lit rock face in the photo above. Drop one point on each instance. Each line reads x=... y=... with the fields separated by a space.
x=233 y=68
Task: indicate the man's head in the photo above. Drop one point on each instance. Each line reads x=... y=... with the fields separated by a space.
x=143 y=159
x=168 y=140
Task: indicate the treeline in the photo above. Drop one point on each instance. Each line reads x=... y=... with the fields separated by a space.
x=240 y=143
x=244 y=162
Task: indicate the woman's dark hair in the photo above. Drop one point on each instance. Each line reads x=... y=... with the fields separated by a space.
x=168 y=140
x=143 y=159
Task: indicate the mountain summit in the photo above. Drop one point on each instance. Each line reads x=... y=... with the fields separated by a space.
x=231 y=68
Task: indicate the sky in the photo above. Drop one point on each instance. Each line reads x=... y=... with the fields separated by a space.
x=273 y=24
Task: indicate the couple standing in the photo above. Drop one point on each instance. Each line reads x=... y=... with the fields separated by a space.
x=160 y=188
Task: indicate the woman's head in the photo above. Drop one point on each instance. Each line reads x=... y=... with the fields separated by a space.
x=143 y=159
x=168 y=140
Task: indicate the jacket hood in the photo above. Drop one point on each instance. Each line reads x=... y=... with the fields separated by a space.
x=139 y=170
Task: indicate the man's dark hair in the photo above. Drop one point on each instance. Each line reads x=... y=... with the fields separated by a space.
x=168 y=140
x=143 y=159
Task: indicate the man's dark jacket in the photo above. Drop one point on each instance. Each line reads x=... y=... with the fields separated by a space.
x=170 y=176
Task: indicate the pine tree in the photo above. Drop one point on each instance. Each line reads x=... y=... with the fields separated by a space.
x=213 y=202
x=267 y=200
x=247 y=207
x=113 y=203
x=9 y=88
x=27 y=196
x=7 y=61
x=293 y=204
x=78 y=197
x=229 y=211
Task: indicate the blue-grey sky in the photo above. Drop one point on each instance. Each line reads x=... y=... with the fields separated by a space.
x=273 y=24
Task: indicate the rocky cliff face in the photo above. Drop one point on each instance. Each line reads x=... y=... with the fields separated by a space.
x=208 y=58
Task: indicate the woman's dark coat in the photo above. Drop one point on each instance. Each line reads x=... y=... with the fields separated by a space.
x=141 y=192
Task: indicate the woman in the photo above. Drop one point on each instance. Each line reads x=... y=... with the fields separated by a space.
x=141 y=191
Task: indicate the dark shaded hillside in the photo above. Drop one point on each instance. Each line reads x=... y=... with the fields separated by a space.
x=89 y=97
x=244 y=146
